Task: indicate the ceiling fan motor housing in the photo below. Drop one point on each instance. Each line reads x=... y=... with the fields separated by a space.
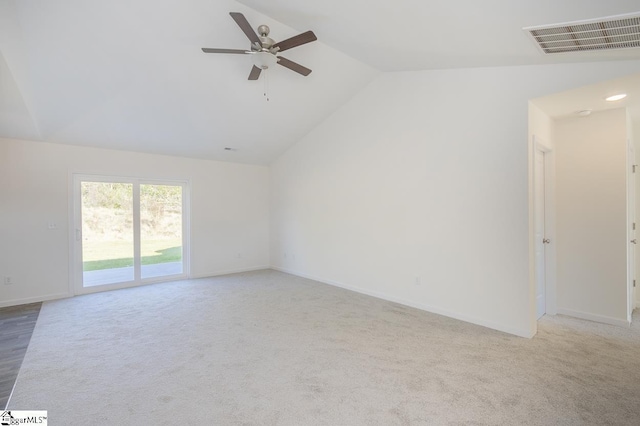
x=265 y=41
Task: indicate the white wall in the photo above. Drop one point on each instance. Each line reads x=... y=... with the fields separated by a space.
x=591 y=211
x=540 y=124
x=229 y=212
x=423 y=174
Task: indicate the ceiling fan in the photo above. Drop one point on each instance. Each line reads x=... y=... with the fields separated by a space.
x=264 y=49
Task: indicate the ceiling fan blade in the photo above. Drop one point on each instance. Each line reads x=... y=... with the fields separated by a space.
x=255 y=73
x=293 y=66
x=295 y=41
x=245 y=26
x=212 y=50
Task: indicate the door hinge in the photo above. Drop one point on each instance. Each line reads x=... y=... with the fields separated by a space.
x=633 y=226
x=634 y=168
x=634 y=283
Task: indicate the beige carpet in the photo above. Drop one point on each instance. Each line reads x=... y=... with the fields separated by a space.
x=267 y=348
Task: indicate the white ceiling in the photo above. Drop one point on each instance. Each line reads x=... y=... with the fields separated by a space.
x=417 y=34
x=130 y=74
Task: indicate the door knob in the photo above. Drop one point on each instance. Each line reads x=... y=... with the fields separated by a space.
x=546 y=241
x=634 y=241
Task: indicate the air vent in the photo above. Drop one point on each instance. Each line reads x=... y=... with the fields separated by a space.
x=613 y=32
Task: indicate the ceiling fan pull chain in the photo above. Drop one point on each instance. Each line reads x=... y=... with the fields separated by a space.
x=266 y=85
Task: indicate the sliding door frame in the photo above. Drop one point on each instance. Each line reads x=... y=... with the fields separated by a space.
x=76 y=285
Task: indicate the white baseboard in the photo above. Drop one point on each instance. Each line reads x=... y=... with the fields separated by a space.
x=15 y=302
x=229 y=271
x=593 y=317
x=424 y=307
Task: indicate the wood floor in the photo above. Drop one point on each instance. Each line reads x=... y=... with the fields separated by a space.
x=16 y=327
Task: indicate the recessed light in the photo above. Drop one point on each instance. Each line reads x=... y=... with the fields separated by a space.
x=584 y=113
x=616 y=97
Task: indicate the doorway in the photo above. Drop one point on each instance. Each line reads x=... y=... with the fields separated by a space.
x=592 y=217
x=539 y=232
x=128 y=232
x=543 y=227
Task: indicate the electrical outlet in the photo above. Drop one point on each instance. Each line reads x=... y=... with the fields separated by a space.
x=418 y=281
x=8 y=281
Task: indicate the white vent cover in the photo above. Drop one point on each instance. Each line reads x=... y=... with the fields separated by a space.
x=613 y=32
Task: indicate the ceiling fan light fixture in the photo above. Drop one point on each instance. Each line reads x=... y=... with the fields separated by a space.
x=264 y=60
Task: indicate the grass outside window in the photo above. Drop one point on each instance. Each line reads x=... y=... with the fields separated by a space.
x=100 y=255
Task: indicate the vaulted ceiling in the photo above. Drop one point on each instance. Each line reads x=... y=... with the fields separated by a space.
x=130 y=74
x=417 y=35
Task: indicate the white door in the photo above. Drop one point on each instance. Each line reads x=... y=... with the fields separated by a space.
x=539 y=232
x=631 y=230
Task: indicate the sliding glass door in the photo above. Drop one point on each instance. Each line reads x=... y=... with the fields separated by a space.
x=128 y=231
x=107 y=233
x=160 y=230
